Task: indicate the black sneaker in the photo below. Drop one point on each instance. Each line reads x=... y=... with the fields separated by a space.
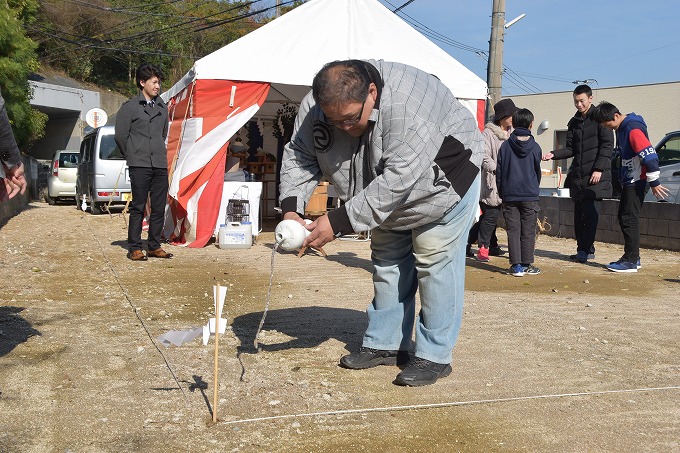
x=422 y=372
x=468 y=252
x=369 y=358
x=496 y=251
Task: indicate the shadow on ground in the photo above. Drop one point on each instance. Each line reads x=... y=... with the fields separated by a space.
x=304 y=325
x=14 y=329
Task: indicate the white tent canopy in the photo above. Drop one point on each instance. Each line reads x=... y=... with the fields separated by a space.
x=290 y=50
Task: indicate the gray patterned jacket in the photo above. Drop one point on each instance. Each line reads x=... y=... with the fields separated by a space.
x=411 y=167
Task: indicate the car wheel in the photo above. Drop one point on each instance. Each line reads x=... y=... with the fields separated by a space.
x=51 y=201
x=95 y=208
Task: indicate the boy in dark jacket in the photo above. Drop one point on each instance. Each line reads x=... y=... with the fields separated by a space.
x=518 y=175
x=639 y=166
x=590 y=179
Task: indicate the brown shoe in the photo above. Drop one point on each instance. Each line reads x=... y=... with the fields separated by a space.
x=159 y=253
x=136 y=255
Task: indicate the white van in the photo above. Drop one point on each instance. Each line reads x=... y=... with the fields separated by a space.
x=103 y=175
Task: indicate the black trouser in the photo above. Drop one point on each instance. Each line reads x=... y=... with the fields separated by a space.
x=152 y=183
x=487 y=225
x=520 y=223
x=586 y=216
x=630 y=206
x=476 y=230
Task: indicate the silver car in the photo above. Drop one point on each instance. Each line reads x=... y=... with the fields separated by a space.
x=668 y=150
x=61 y=182
x=103 y=175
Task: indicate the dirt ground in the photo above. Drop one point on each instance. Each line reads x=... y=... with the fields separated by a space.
x=574 y=359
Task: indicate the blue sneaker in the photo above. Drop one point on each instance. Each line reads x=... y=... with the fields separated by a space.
x=531 y=270
x=638 y=264
x=622 y=266
x=516 y=270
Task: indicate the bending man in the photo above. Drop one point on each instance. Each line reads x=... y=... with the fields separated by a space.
x=404 y=156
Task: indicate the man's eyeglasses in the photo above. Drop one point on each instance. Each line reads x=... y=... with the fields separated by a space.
x=351 y=121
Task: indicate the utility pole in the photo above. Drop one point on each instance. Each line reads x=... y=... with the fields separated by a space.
x=278 y=8
x=494 y=68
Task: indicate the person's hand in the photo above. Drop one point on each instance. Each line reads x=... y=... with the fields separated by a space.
x=660 y=192
x=595 y=177
x=547 y=156
x=321 y=233
x=14 y=181
x=294 y=216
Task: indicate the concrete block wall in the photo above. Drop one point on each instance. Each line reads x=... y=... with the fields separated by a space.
x=659 y=222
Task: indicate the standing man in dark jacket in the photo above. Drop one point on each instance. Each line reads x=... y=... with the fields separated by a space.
x=589 y=178
x=141 y=130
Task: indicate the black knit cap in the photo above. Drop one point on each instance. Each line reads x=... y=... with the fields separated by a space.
x=503 y=108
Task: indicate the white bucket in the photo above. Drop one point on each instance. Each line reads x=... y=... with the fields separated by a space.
x=235 y=235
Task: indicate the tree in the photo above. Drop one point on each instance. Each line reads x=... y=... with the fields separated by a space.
x=17 y=60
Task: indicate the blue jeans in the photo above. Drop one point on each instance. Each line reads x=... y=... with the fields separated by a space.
x=430 y=259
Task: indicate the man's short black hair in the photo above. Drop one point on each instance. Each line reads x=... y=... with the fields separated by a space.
x=522 y=118
x=341 y=82
x=145 y=71
x=583 y=89
x=604 y=111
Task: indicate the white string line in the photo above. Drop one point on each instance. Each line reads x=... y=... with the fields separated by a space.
x=135 y=309
x=448 y=404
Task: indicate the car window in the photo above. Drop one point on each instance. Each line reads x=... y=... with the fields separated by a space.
x=86 y=149
x=669 y=152
x=108 y=149
x=68 y=160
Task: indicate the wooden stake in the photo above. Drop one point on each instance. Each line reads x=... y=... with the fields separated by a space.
x=217 y=340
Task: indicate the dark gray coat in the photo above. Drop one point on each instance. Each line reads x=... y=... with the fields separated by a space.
x=141 y=131
x=9 y=153
x=590 y=144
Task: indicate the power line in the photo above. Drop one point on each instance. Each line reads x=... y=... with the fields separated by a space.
x=425 y=30
x=96 y=43
x=95 y=46
x=402 y=6
x=188 y=22
x=254 y=13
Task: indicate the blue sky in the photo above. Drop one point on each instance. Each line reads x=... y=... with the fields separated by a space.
x=556 y=42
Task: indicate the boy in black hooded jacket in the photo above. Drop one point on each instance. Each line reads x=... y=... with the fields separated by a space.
x=518 y=175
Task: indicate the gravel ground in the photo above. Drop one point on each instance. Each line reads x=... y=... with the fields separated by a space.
x=574 y=359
